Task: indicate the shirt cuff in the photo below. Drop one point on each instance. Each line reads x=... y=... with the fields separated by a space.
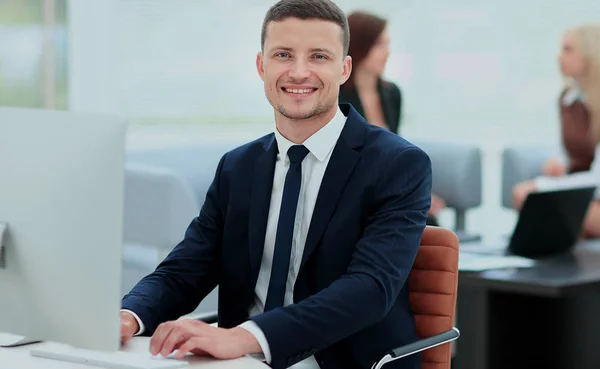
x=137 y=318
x=255 y=330
x=543 y=184
x=575 y=180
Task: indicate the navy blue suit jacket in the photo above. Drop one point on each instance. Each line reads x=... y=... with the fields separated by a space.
x=351 y=297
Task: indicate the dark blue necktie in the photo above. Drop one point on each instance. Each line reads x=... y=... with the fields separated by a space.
x=285 y=228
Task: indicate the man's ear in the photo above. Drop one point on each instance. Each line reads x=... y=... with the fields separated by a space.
x=347 y=69
x=259 y=65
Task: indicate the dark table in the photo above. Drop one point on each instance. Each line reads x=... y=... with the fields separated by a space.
x=547 y=316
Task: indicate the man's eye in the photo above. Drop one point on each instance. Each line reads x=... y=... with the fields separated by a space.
x=320 y=57
x=282 y=55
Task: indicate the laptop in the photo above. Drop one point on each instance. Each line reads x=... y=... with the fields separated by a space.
x=550 y=222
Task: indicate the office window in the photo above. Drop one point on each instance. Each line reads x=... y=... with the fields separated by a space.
x=33 y=53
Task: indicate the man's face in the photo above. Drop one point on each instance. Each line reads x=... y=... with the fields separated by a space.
x=302 y=66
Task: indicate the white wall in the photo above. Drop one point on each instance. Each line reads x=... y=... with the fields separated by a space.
x=483 y=72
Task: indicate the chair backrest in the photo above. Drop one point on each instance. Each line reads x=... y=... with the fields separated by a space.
x=524 y=162
x=433 y=285
x=457 y=175
x=159 y=205
x=195 y=163
x=457 y=172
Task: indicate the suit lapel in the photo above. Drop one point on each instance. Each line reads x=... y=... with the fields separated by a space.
x=260 y=200
x=341 y=164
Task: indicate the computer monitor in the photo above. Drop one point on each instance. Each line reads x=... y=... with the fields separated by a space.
x=61 y=199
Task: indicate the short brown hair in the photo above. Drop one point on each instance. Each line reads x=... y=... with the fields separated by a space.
x=325 y=10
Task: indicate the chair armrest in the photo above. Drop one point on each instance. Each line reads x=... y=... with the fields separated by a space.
x=209 y=317
x=415 y=347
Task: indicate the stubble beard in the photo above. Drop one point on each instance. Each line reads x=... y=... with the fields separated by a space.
x=319 y=109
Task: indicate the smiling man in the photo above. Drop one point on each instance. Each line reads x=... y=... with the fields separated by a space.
x=310 y=232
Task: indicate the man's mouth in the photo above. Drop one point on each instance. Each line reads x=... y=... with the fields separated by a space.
x=299 y=91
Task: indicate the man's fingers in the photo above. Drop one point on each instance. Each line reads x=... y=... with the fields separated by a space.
x=175 y=339
x=193 y=344
x=129 y=326
x=127 y=331
x=125 y=336
x=198 y=330
x=196 y=346
x=159 y=336
x=196 y=351
x=187 y=334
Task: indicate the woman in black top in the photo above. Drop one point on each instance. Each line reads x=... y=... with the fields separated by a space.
x=379 y=101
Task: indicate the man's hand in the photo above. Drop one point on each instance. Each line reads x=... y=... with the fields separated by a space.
x=129 y=326
x=199 y=338
x=521 y=191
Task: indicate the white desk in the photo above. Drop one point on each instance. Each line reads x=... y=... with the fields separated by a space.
x=19 y=357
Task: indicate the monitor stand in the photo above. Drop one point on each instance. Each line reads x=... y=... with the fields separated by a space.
x=3 y=231
x=7 y=339
x=13 y=340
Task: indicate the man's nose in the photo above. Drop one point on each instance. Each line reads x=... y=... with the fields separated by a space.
x=300 y=70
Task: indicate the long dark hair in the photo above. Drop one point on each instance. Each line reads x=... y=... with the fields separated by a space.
x=365 y=29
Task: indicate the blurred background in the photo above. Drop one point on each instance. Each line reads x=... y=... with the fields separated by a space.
x=476 y=72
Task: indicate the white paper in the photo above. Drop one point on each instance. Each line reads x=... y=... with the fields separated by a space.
x=476 y=262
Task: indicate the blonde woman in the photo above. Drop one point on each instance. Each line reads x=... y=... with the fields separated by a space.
x=580 y=119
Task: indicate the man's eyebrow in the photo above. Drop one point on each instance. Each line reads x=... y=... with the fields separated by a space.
x=313 y=50
x=321 y=50
x=281 y=48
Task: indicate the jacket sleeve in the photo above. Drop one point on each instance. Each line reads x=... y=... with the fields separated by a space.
x=188 y=274
x=377 y=272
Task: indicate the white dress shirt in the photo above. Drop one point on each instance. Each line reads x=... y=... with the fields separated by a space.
x=320 y=145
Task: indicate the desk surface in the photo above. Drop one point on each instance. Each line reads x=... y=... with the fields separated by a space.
x=19 y=357
x=570 y=273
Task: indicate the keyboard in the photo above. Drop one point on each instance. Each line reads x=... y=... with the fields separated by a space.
x=13 y=340
x=107 y=360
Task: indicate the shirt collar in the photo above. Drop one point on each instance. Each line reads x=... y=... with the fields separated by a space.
x=322 y=142
x=572 y=95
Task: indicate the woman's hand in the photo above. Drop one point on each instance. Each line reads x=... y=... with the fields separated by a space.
x=437 y=204
x=521 y=191
x=554 y=168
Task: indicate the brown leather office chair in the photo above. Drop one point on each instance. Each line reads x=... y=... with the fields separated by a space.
x=433 y=285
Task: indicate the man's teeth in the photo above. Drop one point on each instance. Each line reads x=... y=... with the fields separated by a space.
x=298 y=91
